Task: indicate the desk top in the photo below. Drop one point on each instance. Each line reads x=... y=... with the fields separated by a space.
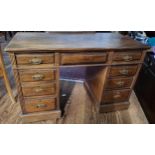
x=71 y=41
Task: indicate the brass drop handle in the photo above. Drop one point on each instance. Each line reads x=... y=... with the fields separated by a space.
x=120 y=83
x=37 y=90
x=124 y=72
x=35 y=61
x=128 y=58
x=117 y=95
x=38 y=77
x=41 y=105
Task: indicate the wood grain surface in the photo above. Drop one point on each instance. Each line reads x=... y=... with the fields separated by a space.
x=39 y=104
x=38 y=88
x=78 y=110
x=79 y=58
x=128 y=70
x=71 y=41
x=37 y=75
x=31 y=59
x=115 y=96
x=118 y=83
x=121 y=56
x=127 y=56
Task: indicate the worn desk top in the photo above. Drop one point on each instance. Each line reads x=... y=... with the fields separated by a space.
x=71 y=41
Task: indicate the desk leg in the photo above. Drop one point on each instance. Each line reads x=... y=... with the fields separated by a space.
x=57 y=62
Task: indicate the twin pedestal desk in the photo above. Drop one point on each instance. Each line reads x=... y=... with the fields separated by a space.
x=37 y=57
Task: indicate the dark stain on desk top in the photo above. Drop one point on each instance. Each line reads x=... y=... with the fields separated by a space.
x=71 y=42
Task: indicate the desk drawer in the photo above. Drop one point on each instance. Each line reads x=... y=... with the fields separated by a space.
x=37 y=75
x=38 y=88
x=39 y=104
x=118 y=83
x=113 y=96
x=127 y=56
x=34 y=59
x=83 y=58
x=123 y=70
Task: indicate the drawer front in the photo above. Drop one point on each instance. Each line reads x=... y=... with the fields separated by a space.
x=37 y=75
x=123 y=70
x=115 y=96
x=118 y=83
x=35 y=59
x=36 y=104
x=31 y=89
x=80 y=58
x=127 y=56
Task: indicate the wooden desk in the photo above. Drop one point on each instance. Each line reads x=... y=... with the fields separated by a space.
x=37 y=57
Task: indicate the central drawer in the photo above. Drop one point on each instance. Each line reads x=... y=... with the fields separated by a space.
x=39 y=104
x=35 y=59
x=83 y=58
x=114 y=96
x=37 y=75
x=38 y=88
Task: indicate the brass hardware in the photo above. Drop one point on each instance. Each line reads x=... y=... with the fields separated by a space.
x=127 y=58
x=35 y=61
x=117 y=95
x=124 y=72
x=38 y=77
x=41 y=105
x=120 y=83
x=37 y=90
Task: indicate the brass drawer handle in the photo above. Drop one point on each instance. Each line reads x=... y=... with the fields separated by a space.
x=124 y=72
x=117 y=95
x=37 y=90
x=128 y=58
x=41 y=105
x=120 y=83
x=38 y=77
x=35 y=61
